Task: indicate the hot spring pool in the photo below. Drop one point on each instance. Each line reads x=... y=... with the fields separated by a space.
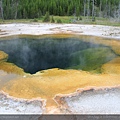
x=36 y=54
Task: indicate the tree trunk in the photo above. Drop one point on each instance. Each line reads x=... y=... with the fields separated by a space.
x=106 y=9
x=109 y=10
x=16 y=9
x=118 y=13
x=100 y=12
x=93 y=10
x=84 y=7
x=88 y=9
x=1 y=9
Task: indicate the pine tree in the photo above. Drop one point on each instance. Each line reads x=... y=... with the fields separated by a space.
x=52 y=19
x=47 y=17
x=77 y=12
x=24 y=14
x=39 y=14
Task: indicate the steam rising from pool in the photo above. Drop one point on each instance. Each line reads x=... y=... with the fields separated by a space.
x=45 y=53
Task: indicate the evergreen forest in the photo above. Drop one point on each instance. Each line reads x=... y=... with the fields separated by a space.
x=30 y=9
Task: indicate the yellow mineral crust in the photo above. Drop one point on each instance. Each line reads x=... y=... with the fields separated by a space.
x=9 y=67
x=55 y=81
x=3 y=56
x=112 y=67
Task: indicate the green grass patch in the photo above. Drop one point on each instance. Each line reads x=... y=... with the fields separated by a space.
x=67 y=19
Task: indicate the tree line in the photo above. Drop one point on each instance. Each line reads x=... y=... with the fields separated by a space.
x=29 y=9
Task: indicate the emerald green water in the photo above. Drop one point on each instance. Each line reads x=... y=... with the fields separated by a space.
x=66 y=53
